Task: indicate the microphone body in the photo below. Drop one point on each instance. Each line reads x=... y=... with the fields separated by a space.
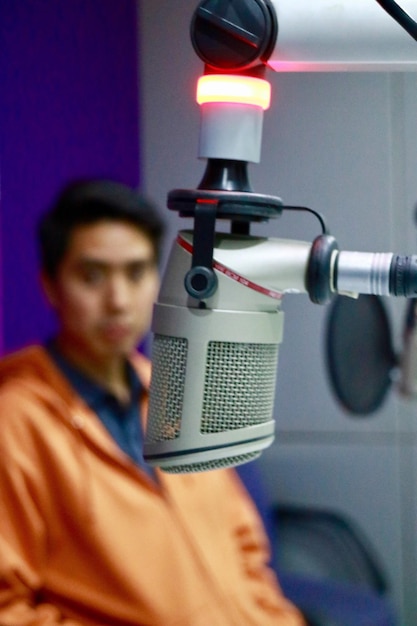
x=214 y=368
x=215 y=363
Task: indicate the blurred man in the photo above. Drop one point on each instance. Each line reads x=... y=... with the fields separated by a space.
x=89 y=534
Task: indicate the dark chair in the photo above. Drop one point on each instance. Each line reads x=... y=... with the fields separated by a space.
x=325 y=564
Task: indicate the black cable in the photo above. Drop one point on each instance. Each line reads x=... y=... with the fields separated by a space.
x=400 y=16
x=305 y=209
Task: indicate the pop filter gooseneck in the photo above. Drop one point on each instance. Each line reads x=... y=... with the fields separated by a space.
x=400 y=16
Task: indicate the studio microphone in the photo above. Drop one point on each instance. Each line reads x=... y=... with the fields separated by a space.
x=218 y=322
x=215 y=364
x=214 y=368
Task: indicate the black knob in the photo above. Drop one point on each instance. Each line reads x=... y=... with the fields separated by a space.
x=234 y=34
x=319 y=281
x=403 y=276
x=200 y=282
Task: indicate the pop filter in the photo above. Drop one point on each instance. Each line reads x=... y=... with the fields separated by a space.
x=359 y=353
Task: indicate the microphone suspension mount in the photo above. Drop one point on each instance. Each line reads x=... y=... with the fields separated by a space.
x=224 y=193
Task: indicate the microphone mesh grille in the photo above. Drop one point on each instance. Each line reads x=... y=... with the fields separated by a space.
x=169 y=354
x=238 y=392
x=239 y=385
x=213 y=464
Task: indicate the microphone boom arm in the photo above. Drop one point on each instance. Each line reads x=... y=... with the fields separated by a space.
x=273 y=267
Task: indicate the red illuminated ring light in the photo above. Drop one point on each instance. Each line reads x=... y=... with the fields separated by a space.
x=234 y=89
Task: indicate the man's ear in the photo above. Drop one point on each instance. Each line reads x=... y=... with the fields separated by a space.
x=48 y=288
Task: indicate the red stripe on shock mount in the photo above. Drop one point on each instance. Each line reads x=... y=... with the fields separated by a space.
x=232 y=274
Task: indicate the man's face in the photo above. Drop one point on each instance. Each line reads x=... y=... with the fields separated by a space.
x=104 y=291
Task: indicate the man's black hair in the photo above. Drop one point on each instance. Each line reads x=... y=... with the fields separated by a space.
x=84 y=202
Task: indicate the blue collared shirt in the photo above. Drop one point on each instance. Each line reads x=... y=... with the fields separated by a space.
x=121 y=420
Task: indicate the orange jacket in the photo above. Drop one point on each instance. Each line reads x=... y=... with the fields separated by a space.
x=87 y=540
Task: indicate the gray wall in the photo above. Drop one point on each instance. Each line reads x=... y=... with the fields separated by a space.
x=343 y=144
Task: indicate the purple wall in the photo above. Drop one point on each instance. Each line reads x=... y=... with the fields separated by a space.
x=68 y=108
